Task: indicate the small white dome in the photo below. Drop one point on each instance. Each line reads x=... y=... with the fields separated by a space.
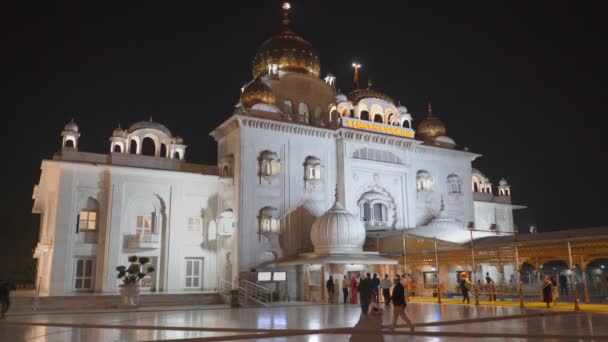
x=264 y=107
x=338 y=231
x=445 y=140
x=179 y=140
x=503 y=182
x=402 y=109
x=118 y=132
x=341 y=97
x=71 y=127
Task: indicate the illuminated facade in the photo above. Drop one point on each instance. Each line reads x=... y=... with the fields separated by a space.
x=304 y=174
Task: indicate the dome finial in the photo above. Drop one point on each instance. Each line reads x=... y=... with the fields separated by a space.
x=369 y=84
x=336 y=195
x=429 y=107
x=286 y=20
x=150 y=118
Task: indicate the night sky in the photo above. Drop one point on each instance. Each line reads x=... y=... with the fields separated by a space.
x=523 y=83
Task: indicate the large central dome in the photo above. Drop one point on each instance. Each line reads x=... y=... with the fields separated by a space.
x=288 y=51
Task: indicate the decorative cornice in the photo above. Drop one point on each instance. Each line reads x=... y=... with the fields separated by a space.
x=341 y=133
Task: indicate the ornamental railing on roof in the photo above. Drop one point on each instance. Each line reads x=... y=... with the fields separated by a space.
x=377 y=127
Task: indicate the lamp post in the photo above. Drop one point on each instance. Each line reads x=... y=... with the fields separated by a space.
x=474 y=267
x=437 y=272
x=521 y=291
x=356 y=65
x=573 y=277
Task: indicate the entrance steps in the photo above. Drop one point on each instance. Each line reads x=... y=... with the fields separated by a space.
x=110 y=301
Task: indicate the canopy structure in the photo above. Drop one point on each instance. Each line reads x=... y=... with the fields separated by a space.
x=367 y=258
x=439 y=263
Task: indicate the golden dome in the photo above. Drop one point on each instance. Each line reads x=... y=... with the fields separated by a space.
x=257 y=92
x=288 y=51
x=431 y=127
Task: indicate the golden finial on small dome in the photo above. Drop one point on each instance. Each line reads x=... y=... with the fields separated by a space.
x=431 y=127
x=286 y=7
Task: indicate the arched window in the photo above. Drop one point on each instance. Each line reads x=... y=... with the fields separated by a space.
x=378 y=118
x=352 y=113
x=226 y=223
x=148 y=147
x=270 y=164
x=133 y=146
x=376 y=210
x=406 y=124
x=287 y=107
x=367 y=212
x=390 y=118
x=163 y=150
x=312 y=168
x=69 y=143
x=269 y=221
x=334 y=114
x=454 y=184
x=176 y=155
x=379 y=212
x=364 y=115
x=475 y=187
x=424 y=181
x=117 y=148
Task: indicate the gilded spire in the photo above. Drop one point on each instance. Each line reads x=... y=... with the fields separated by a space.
x=429 y=108
x=286 y=20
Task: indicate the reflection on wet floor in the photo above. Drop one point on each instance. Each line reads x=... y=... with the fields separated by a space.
x=297 y=317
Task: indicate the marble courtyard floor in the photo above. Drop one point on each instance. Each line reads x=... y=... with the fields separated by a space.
x=448 y=322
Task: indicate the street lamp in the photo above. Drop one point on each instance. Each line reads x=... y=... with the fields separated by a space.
x=356 y=65
x=471 y=229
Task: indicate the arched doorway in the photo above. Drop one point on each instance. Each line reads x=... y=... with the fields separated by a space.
x=148 y=147
x=133 y=146
x=163 y=150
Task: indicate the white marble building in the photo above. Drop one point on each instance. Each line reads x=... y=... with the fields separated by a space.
x=293 y=145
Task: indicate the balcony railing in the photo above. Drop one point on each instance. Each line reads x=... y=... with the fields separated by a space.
x=143 y=241
x=377 y=127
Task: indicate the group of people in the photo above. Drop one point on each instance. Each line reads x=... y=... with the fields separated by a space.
x=550 y=289
x=367 y=290
x=466 y=286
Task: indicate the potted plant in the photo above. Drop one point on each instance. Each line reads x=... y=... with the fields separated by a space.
x=131 y=275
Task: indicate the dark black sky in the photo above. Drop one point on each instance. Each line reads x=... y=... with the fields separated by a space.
x=521 y=82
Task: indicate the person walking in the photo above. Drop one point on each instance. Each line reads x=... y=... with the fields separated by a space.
x=399 y=305
x=365 y=293
x=385 y=284
x=491 y=287
x=554 y=290
x=345 y=284
x=547 y=288
x=331 y=289
x=353 y=290
x=375 y=289
x=465 y=287
x=5 y=296
x=563 y=284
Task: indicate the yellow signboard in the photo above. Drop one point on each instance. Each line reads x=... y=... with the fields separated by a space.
x=380 y=128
